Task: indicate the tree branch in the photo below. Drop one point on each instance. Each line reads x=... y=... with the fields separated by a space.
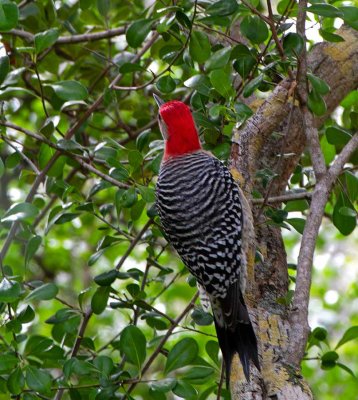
x=311 y=132
x=284 y=197
x=86 y=37
x=164 y=339
x=298 y=319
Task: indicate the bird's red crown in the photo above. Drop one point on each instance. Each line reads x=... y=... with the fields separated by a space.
x=182 y=135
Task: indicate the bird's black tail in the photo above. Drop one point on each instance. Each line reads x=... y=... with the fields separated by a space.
x=241 y=340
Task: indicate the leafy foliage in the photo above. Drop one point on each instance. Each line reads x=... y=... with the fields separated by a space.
x=92 y=299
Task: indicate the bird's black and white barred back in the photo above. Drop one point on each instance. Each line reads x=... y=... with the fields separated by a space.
x=201 y=215
x=201 y=211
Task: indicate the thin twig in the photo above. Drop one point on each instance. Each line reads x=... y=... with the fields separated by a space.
x=22 y=155
x=222 y=375
x=134 y=242
x=164 y=339
x=77 y=344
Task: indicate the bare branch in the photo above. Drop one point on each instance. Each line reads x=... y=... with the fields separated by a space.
x=299 y=323
x=311 y=132
x=284 y=197
x=86 y=37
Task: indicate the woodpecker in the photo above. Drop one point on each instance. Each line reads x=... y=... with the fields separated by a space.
x=205 y=217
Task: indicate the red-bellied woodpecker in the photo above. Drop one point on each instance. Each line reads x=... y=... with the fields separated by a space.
x=202 y=212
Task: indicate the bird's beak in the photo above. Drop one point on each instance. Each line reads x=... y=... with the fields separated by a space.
x=158 y=100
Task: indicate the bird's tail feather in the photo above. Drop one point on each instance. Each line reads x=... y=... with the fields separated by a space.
x=241 y=340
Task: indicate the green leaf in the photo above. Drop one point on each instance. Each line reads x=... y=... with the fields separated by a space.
x=200 y=83
x=16 y=381
x=26 y=315
x=138 y=31
x=8 y=362
x=212 y=348
x=350 y=100
x=182 y=354
x=350 y=16
x=62 y=218
x=221 y=82
x=185 y=390
x=219 y=59
x=126 y=199
x=147 y=193
x=352 y=185
x=38 y=380
x=132 y=344
x=103 y=7
x=253 y=85
x=337 y=136
x=20 y=212
x=69 y=90
x=319 y=334
x=137 y=209
x=46 y=39
x=297 y=205
x=32 y=246
x=330 y=36
x=325 y=10
x=69 y=145
x=329 y=360
x=316 y=103
x=47 y=291
x=164 y=385
x=350 y=334
x=297 y=223
x=345 y=368
x=119 y=173
x=348 y=212
x=223 y=8
x=100 y=299
x=199 y=374
x=254 y=29
x=4 y=67
x=135 y=159
x=199 y=47
x=245 y=60
x=104 y=364
x=285 y=7
x=344 y=223
x=9 y=15
x=2 y=168
x=106 y=278
x=293 y=44
x=37 y=344
x=329 y=151
x=166 y=84
x=319 y=85
x=201 y=317
x=9 y=291
x=143 y=139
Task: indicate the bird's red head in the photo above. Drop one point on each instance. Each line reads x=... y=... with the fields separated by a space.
x=178 y=129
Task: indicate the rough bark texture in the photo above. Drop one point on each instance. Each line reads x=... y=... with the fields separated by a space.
x=255 y=148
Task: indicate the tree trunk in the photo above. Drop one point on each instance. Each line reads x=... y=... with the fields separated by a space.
x=255 y=148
